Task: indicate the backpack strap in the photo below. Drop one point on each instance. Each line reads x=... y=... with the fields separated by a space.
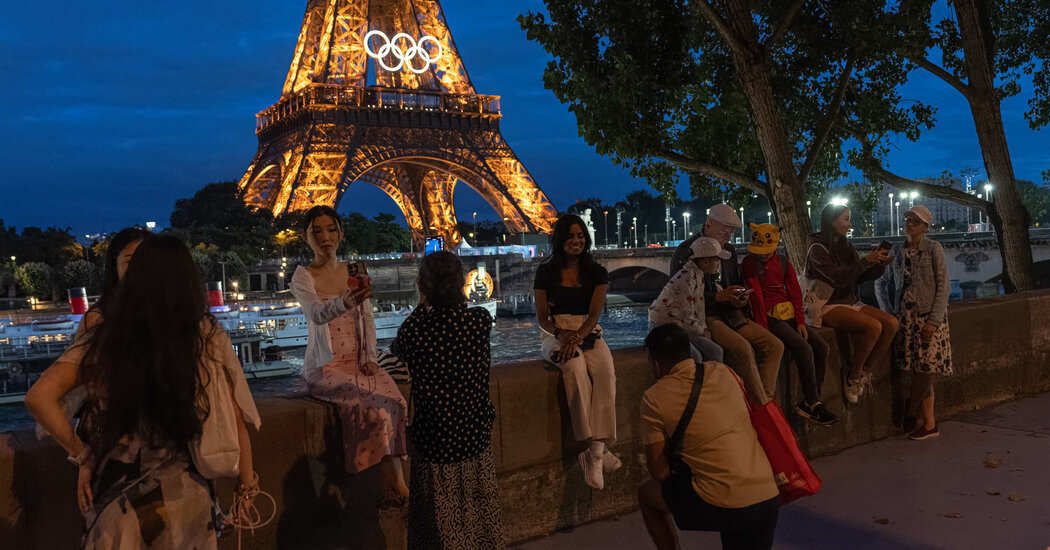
x=760 y=268
x=674 y=447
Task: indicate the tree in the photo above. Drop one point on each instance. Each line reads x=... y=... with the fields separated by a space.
x=1036 y=198
x=35 y=279
x=217 y=215
x=985 y=51
x=744 y=97
x=79 y=273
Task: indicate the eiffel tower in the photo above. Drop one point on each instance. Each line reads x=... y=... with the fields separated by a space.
x=414 y=133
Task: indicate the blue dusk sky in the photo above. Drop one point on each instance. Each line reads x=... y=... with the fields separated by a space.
x=113 y=110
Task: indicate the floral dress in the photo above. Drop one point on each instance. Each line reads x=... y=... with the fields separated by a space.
x=371 y=408
x=911 y=352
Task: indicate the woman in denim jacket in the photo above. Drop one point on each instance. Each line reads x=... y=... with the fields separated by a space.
x=917 y=277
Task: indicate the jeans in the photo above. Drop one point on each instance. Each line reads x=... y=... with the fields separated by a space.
x=811 y=355
x=753 y=353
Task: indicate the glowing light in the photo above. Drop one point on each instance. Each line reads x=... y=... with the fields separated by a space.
x=478 y=280
x=403 y=56
x=839 y=201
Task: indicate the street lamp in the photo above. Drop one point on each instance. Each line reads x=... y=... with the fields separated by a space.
x=634 y=227
x=897 y=216
x=674 y=230
x=988 y=191
x=980 y=217
x=475 y=228
x=647 y=235
x=913 y=195
x=606 y=229
x=892 y=221
x=742 y=224
x=685 y=224
x=809 y=212
x=769 y=218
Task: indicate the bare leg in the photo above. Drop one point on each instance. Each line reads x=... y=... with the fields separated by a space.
x=867 y=330
x=922 y=398
x=657 y=516
x=888 y=329
x=390 y=468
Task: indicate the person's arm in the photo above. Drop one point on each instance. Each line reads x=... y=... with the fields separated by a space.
x=402 y=344
x=656 y=461
x=314 y=308
x=43 y=402
x=821 y=265
x=939 y=313
x=749 y=273
x=594 y=311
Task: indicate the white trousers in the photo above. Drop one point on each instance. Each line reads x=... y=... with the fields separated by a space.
x=590 y=384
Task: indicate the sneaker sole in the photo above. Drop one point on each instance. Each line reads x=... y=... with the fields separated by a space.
x=924 y=436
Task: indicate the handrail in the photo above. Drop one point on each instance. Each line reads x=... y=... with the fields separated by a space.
x=375 y=97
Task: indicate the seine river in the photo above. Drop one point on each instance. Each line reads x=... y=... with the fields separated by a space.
x=513 y=339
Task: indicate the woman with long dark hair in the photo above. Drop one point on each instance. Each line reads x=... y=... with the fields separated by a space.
x=570 y=289
x=832 y=260
x=445 y=344
x=340 y=366
x=146 y=365
x=119 y=251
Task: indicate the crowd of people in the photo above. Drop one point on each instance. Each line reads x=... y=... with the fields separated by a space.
x=144 y=368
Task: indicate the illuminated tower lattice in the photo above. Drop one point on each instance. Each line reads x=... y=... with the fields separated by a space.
x=377 y=93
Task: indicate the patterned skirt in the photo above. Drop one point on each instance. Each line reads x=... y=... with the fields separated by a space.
x=911 y=353
x=455 y=505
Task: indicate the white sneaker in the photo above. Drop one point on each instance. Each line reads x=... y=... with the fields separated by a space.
x=591 y=464
x=852 y=389
x=610 y=462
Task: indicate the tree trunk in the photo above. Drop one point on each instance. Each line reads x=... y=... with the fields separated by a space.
x=784 y=190
x=1008 y=215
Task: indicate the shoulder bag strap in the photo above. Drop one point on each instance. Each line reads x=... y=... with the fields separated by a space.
x=675 y=445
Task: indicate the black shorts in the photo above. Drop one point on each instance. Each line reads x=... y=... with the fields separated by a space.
x=751 y=527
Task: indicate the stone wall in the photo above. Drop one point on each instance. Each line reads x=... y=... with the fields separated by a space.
x=1000 y=348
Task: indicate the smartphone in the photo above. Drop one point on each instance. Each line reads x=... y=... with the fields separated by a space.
x=885 y=245
x=743 y=292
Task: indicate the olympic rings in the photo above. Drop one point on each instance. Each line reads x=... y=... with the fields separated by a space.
x=405 y=55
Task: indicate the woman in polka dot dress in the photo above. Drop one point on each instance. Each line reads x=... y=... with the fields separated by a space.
x=340 y=365
x=445 y=344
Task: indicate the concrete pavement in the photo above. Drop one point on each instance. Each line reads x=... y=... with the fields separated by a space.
x=983 y=484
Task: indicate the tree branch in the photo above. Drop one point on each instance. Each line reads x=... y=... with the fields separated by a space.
x=782 y=27
x=874 y=169
x=939 y=72
x=720 y=26
x=832 y=114
x=707 y=169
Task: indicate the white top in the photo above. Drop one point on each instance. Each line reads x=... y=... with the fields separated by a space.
x=319 y=313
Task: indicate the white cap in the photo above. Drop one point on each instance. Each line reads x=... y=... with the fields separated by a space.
x=705 y=247
x=724 y=214
x=921 y=212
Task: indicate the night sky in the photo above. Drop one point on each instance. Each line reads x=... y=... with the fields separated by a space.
x=112 y=110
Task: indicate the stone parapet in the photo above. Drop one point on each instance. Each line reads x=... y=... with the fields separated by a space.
x=1000 y=348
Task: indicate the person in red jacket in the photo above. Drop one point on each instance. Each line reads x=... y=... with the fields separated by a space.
x=776 y=304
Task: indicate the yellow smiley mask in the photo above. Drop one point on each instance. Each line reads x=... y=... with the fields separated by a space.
x=764 y=238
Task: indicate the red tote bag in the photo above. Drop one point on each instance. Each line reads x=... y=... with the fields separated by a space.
x=794 y=476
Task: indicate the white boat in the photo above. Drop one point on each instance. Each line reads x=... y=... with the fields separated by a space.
x=388 y=321
x=490 y=305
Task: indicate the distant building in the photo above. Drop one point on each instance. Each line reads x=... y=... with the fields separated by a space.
x=944 y=211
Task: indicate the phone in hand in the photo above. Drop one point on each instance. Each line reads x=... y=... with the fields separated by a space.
x=885 y=245
x=741 y=292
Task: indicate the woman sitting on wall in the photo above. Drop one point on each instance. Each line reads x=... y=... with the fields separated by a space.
x=832 y=261
x=340 y=366
x=570 y=289
x=454 y=502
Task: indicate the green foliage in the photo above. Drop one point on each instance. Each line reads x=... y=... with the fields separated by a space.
x=217 y=215
x=35 y=279
x=365 y=236
x=649 y=78
x=1036 y=198
x=79 y=273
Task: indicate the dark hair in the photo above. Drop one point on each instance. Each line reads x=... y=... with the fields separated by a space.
x=318 y=211
x=668 y=344
x=838 y=245
x=145 y=353
x=557 y=243
x=116 y=245
x=441 y=279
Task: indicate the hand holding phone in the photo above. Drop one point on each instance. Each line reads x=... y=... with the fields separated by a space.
x=886 y=245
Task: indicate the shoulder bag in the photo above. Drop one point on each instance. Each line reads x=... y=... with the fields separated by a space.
x=217 y=453
x=815 y=293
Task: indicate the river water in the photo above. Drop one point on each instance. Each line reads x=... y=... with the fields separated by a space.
x=513 y=339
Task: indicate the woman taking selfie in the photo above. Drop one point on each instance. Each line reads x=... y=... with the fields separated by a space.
x=147 y=366
x=918 y=280
x=340 y=365
x=454 y=504
x=570 y=292
x=832 y=260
